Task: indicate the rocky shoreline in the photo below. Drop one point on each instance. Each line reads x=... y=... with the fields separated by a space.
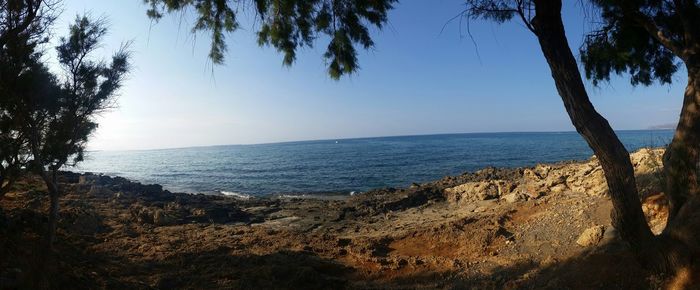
x=545 y=226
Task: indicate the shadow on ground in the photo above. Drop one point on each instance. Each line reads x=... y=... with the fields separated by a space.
x=76 y=266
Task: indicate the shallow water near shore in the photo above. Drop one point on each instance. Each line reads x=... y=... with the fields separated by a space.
x=347 y=166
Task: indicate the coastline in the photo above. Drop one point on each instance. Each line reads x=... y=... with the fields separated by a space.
x=493 y=228
x=355 y=165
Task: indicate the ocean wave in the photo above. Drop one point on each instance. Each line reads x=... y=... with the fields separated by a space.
x=295 y=196
x=235 y=194
x=336 y=196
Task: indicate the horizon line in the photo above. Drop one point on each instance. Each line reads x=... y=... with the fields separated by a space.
x=357 y=138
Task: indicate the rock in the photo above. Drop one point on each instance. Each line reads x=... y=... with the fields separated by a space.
x=69 y=177
x=542 y=170
x=152 y=215
x=472 y=191
x=101 y=191
x=505 y=187
x=647 y=161
x=412 y=198
x=548 y=261
x=558 y=188
x=489 y=192
x=655 y=208
x=591 y=236
x=513 y=197
x=218 y=214
x=81 y=220
x=531 y=175
x=141 y=214
x=82 y=179
x=555 y=180
x=610 y=235
x=587 y=178
x=161 y=218
x=534 y=191
x=480 y=209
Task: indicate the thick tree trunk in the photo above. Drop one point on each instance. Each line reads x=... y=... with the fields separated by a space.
x=662 y=253
x=682 y=158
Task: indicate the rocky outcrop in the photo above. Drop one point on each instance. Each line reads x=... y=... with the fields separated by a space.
x=150 y=204
x=480 y=190
x=580 y=177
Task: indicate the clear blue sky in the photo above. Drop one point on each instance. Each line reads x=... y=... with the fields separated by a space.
x=415 y=81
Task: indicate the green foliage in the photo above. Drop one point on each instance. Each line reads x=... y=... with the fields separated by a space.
x=23 y=26
x=87 y=89
x=629 y=40
x=498 y=11
x=289 y=25
x=47 y=118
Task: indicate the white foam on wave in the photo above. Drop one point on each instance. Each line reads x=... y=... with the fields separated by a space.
x=312 y=196
x=294 y=196
x=235 y=194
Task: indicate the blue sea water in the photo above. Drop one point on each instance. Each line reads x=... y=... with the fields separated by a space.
x=348 y=165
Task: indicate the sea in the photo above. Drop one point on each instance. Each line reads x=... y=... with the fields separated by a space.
x=345 y=166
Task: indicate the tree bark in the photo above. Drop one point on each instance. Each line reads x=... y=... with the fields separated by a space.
x=659 y=253
x=682 y=158
x=53 y=189
x=3 y=188
x=51 y=186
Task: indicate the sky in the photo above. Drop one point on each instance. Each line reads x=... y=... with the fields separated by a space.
x=424 y=76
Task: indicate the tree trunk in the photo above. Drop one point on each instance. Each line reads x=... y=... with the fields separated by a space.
x=53 y=189
x=682 y=158
x=3 y=187
x=663 y=253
